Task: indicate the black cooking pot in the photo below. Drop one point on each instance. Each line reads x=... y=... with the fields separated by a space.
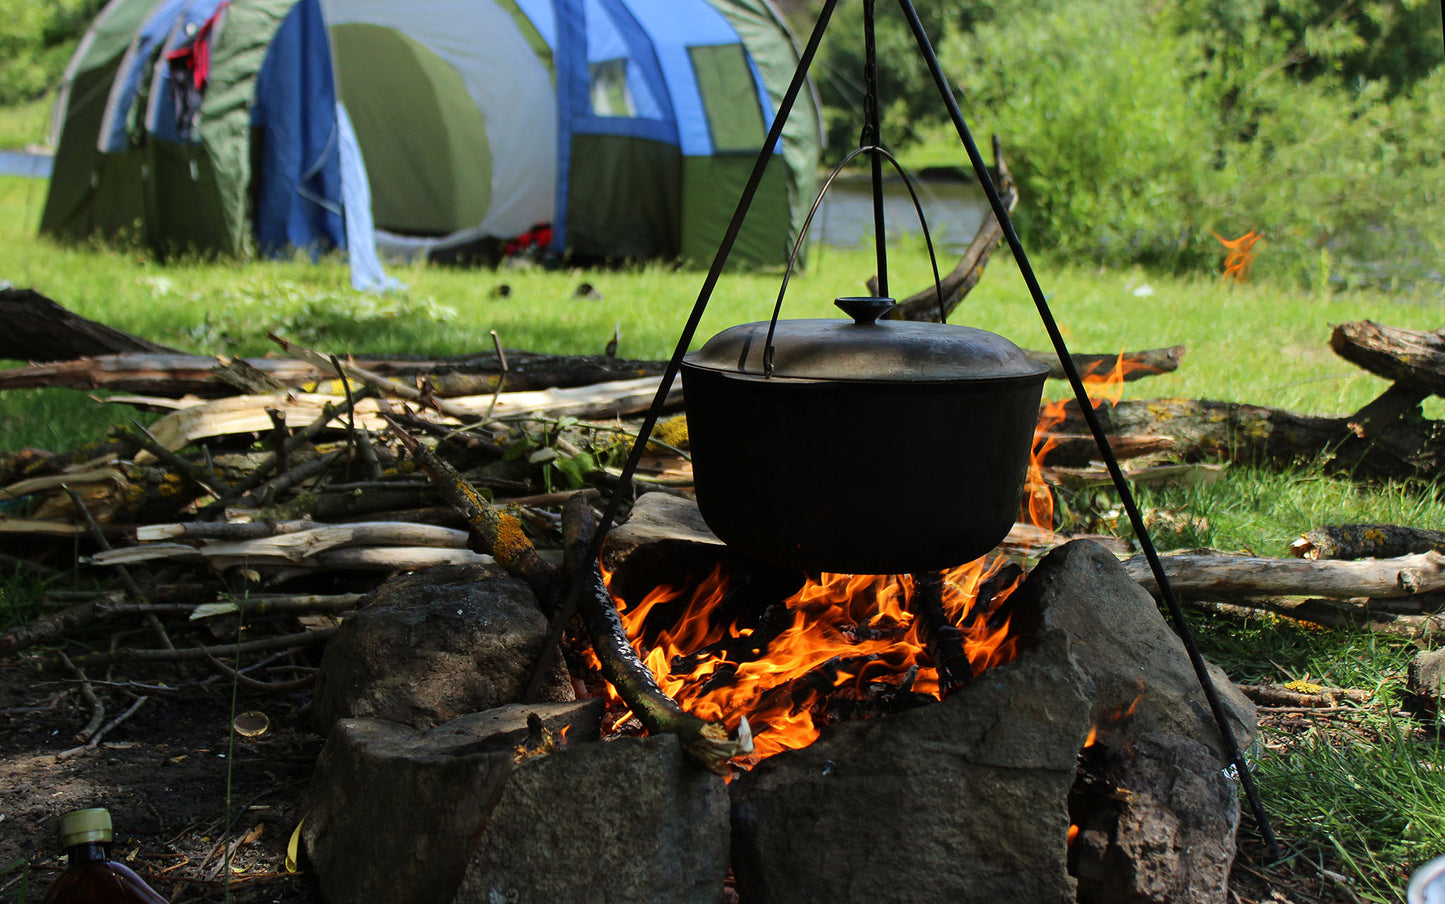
x=872 y=446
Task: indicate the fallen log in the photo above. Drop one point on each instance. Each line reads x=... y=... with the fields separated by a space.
x=1301 y=694
x=38 y=329
x=1366 y=541
x=1254 y=434
x=1211 y=574
x=1410 y=357
x=292 y=546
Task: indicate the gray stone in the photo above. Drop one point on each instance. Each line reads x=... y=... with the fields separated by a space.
x=1172 y=838
x=960 y=802
x=663 y=541
x=393 y=810
x=435 y=644
x=1425 y=682
x=1127 y=652
x=627 y=820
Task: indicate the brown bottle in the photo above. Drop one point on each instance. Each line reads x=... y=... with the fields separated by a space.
x=92 y=877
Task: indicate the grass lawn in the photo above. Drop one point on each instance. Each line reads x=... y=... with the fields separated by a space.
x=1358 y=792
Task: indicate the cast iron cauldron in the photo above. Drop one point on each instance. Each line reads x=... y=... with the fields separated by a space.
x=869 y=447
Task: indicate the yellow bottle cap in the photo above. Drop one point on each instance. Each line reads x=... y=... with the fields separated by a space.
x=83 y=826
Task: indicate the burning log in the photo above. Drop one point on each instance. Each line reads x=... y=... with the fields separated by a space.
x=1366 y=541
x=1130 y=366
x=1212 y=575
x=706 y=742
x=945 y=640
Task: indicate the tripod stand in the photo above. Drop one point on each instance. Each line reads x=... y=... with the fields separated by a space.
x=871 y=143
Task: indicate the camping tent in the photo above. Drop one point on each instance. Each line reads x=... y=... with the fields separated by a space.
x=629 y=126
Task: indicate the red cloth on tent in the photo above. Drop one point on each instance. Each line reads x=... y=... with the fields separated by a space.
x=195 y=57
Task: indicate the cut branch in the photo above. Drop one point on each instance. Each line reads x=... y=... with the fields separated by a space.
x=1411 y=357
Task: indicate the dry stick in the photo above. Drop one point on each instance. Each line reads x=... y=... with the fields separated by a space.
x=268 y=464
x=376 y=381
x=280 y=642
x=1329 y=614
x=97 y=706
x=131 y=587
x=969 y=270
x=501 y=533
x=1282 y=696
x=99 y=736
x=281 y=483
x=50 y=627
x=144 y=439
x=706 y=742
x=248 y=681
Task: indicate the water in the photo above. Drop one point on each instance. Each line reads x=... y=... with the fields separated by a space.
x=953 y=208
x=18 y=163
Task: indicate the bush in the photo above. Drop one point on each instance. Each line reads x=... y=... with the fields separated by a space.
x=37 y=42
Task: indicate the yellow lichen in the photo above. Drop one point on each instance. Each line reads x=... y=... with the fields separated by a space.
x=511 y=539
x=673 y=432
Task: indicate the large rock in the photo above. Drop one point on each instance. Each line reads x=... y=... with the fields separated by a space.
x=393 y=811
x=1138 y=675
x=960 y=802
x=1167 y=836
x=627 y=820
x=433 y=645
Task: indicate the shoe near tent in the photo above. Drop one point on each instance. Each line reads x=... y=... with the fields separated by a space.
x=630 y=125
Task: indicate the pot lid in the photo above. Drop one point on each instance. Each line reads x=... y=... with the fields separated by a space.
x=868 y=350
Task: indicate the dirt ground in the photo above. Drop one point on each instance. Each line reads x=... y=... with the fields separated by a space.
x=163 y=773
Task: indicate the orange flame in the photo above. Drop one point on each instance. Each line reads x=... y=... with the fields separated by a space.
x=847 y=636
x=1240 y=255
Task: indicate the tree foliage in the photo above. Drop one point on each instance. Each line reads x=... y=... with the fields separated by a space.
x=1139 y=130
x=36 y=41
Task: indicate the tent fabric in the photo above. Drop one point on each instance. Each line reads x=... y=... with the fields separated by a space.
x=628 y=126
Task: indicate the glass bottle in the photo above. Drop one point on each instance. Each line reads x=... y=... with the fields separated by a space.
x=92 y=877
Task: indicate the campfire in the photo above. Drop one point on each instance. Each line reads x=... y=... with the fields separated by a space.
x=839 y=646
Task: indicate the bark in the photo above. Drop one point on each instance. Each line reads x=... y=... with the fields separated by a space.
x=1366 y=541
x=38 y=329
x=1215 y=575
x=1411 y=357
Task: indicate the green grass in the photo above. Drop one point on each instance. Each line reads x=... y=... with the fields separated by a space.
x=1251 y=343
x=25 y=125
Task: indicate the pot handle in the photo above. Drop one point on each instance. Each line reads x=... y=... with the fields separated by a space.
x=807 y=224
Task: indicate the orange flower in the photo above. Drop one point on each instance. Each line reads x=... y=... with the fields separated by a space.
x=1240 y=256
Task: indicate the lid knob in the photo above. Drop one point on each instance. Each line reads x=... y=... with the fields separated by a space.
x=865 y=310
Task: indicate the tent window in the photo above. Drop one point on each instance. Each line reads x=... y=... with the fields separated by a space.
x=729 y=96
x=609 y=93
